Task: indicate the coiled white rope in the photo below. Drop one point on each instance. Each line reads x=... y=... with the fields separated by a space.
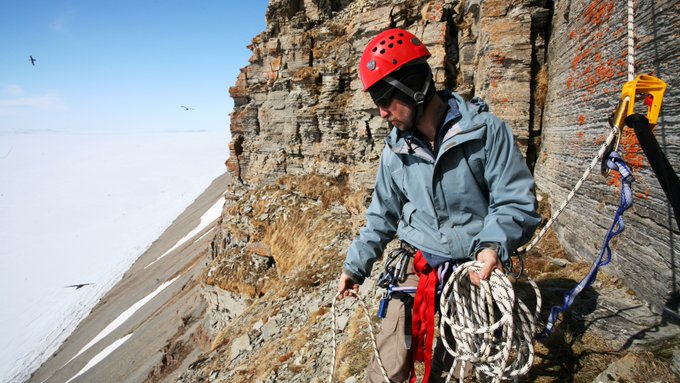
x=370 y=331
x=499 y=348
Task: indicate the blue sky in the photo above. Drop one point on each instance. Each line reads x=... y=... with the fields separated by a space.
x=122 y=65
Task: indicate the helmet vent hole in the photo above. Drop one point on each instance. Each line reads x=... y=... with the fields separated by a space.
x=400 y=42
x=394 y=61
x=382 y=42
x=390 y=45
x=382 y=51
x=374 y=49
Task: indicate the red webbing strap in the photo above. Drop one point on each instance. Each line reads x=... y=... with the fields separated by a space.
x=423 y=315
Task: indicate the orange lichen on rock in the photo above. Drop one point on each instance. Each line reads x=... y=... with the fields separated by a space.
x=614 y=179
x=643 y=195
x=592 y=70
x=632 y=154
x=599 y=11
x=579 y=57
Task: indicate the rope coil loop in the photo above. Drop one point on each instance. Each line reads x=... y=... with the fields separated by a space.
x=499 y=348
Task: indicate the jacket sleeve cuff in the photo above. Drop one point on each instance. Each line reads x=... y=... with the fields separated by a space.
x=356 y=278
x=487 y=245
x=490 y=245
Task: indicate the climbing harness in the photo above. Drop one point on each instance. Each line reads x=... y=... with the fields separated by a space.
x=419 y=302
x=499 y=348
x=390 y=279
x=502 y=348
x=395 y=274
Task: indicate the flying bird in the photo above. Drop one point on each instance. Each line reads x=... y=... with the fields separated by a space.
x=186 y=107
x=8 y=152
x=79 y=285
x=32 y=60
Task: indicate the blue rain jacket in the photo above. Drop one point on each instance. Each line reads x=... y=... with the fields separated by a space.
x=477 y=190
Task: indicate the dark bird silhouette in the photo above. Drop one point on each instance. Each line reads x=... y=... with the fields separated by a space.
x=8 y=152
x=79 y=285
x=186 y=107
x=32 y=60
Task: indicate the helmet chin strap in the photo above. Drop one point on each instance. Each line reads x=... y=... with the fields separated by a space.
x=399 y=85
x=417 y=96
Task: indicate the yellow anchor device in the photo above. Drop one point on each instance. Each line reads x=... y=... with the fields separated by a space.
x=645 y=85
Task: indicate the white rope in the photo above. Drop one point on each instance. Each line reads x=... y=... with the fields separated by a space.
x=572 y=193
x=500 y=349
x=631 y=41
x=370 y=331
x=612 y=135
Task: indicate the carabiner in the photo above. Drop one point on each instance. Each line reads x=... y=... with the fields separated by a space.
x=510 y=267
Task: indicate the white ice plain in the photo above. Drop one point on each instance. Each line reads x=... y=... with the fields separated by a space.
x=81 y=208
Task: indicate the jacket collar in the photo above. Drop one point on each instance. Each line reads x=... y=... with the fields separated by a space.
x=458 y=120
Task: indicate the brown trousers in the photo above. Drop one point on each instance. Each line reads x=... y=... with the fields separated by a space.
x=394 y=356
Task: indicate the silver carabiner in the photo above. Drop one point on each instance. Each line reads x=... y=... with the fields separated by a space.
x=510 y=267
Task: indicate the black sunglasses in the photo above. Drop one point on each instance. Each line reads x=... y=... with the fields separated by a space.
x=385 y=99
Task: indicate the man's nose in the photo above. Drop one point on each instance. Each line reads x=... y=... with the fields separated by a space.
x=383 y=112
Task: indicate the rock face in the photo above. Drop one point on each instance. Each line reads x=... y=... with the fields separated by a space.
x=306 y=140
x=587 y=66
x=552 y=70
x=299 y=108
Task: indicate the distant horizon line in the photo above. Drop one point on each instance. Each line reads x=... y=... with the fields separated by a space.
x=107 y=131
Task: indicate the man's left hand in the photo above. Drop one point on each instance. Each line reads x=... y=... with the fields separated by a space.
x=489 y=258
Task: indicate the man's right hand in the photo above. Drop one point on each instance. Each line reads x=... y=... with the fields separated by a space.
x=345 y=284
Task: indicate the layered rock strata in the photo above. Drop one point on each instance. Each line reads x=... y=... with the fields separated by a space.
x=552 y=70
x=587 y=66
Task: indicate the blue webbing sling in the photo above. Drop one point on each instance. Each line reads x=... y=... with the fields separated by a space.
x=614 y=162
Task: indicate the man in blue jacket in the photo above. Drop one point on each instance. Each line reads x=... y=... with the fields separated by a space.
x=451 y=185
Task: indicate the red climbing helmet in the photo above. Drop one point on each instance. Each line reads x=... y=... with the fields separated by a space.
x=387 y=52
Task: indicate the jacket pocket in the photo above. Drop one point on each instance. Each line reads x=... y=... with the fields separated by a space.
x=456 y=243
x=407 y=213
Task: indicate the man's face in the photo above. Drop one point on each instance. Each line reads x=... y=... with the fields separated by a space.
x=397 y=113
